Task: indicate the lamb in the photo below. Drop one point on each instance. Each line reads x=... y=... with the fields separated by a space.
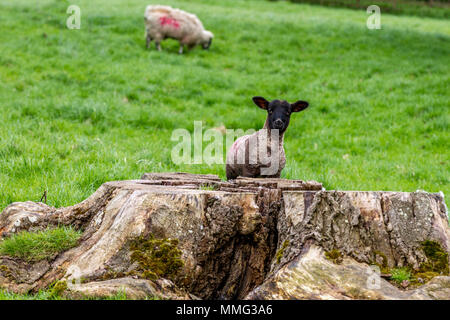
x=261 y=154
x=162 y=22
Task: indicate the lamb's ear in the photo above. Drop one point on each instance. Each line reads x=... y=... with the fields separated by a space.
x=299 y=106
x=261 y=102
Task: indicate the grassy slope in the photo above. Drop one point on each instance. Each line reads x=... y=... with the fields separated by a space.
x=380 y=97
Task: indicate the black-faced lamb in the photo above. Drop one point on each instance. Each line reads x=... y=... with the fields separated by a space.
x=262 y=154
x=162 y=22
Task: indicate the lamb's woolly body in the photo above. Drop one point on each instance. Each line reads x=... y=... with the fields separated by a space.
x=252 y=165
x=166 y=22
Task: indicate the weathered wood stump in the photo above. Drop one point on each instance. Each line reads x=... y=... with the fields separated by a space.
x=247 y=238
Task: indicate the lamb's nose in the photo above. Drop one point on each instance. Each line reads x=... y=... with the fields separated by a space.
x=278 y=124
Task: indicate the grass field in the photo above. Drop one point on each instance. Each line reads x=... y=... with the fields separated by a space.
x=82 y=107
x=421 y=8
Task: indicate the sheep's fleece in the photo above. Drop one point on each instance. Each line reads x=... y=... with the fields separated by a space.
x=163 y=22
x=256 y=155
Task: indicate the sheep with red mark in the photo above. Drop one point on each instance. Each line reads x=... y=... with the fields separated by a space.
x=162 y=22
x=261 y=154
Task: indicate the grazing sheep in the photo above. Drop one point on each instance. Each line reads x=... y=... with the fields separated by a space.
x=262 y=153
x=162 y=22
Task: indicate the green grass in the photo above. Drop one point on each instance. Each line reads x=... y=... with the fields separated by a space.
x=41 y=295
x=438 y=9
x=35 y=246
x=400 y=274
x=48 y=295
x=82 y=107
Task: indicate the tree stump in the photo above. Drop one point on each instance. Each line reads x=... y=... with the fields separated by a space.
x=247 y=238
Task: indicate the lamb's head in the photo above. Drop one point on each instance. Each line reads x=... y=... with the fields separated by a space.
x=279 y=111
x=206 y=39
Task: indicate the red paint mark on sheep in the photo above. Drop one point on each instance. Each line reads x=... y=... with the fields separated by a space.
x=169 y=22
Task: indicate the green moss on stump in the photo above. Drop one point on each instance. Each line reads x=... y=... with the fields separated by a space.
x=280 y=252
x=334 y=255
x=383 y=257
x=59 y=288
x=384 y=267
x=425 y=276
x=6 y=272
x=436 y=264
x=156 y=258
x=437 y=258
